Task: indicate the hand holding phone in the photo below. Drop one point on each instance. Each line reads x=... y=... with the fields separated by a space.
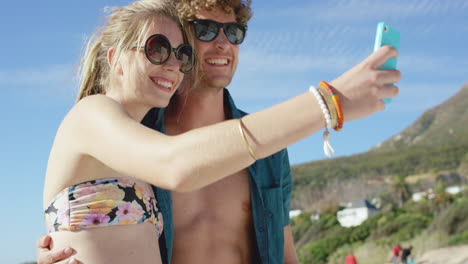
x=386 y=35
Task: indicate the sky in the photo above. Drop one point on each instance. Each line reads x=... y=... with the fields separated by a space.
x=290 y=45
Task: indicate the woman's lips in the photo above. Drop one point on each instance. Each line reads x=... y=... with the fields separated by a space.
x=163 y=83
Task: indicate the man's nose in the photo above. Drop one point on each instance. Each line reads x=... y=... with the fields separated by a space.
x=221 y=40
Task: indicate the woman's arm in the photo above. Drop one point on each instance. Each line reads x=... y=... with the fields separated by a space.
x=202 y=156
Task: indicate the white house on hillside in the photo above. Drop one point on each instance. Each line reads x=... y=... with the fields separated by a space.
x=418 y=196
x=454 y=189
x=357 y=213
x=294 y=213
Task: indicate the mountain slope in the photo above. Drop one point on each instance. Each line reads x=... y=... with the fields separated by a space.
x=437 y=141
x=446 y=123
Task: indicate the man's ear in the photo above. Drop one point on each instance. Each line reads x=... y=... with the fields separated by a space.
x=110 y=58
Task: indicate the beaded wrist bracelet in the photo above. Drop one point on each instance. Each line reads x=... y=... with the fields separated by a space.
x=323 y=107
x=336 y=101
x=327 y=148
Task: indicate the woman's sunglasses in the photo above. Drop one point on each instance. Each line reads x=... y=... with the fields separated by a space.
x=208 y=30
x=158 y=49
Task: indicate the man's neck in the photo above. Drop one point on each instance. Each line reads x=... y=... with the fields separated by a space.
x=195 y=109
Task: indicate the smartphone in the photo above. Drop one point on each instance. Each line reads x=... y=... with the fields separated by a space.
x=386 y=35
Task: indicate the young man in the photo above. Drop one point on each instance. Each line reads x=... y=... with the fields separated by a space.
x=229 y=220
x=245 y=217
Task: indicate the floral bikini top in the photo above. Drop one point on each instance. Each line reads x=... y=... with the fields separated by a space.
x=104 y=202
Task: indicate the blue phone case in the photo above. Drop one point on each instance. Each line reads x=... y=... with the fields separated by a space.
x=386 y=35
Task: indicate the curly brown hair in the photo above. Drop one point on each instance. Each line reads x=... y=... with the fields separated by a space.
x=188 y=9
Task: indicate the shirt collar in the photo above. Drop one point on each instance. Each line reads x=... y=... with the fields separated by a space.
x=228 y=101
x=236 y=113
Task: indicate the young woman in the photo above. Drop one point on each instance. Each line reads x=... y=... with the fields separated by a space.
x=98 y=158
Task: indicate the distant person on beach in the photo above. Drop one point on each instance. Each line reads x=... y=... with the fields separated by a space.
x=406 y=255
x=351 y=259
x=395 y=254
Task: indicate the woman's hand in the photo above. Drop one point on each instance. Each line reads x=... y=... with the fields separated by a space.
x=361 y=88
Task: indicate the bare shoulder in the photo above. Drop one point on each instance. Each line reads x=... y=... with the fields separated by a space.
x=94 y=109
x=95 y=106
x=88 y=116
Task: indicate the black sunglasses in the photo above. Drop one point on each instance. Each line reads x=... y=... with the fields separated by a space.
x=158 y=50
x=207 y=30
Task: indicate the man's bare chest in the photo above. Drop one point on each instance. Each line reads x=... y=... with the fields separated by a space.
x=226 y=201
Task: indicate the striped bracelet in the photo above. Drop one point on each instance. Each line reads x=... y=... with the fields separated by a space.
x=336 y=101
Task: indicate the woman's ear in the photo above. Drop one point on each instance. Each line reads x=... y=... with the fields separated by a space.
x=110 y=58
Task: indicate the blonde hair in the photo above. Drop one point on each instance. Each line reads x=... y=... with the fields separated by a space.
x=125 y=27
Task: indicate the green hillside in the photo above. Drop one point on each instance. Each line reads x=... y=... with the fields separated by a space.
x=425 y=225
x=430 y=153
x=444 y=124
x=438 y=141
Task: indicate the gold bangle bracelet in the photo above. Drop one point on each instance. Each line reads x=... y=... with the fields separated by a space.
x=246 y=143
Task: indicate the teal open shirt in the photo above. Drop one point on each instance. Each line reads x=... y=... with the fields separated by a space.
x=270 y=189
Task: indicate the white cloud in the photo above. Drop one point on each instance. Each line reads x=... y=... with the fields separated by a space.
x=337 y=58
x=28 y=85
x=48 y=75
x=257 y=60
x=419 y=97
x=358 y=10
x=442 y=65
x=318 y=39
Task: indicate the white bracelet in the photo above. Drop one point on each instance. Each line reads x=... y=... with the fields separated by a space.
x=323 y=106
x=327 y=148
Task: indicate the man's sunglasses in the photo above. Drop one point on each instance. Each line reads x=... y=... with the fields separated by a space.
x=158 y=50
x=208 y=30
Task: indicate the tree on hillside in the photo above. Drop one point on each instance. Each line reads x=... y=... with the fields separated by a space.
x=442 y=198
x=401 y=189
